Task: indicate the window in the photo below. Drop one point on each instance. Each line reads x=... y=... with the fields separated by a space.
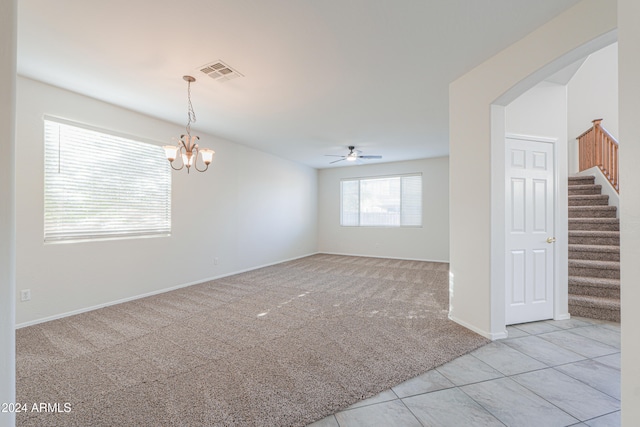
x=99 y=185
x=394 y=201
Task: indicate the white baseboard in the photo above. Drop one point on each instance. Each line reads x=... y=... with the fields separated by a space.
x=382 y=257
x=489 y=335
x=148 y=294
x=564 y=316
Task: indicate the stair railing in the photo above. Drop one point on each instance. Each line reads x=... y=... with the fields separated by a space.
x=598 y=148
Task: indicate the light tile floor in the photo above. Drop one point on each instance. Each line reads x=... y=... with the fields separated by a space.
x=552 y=373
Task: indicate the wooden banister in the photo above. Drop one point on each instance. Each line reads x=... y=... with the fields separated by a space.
x=598 y=148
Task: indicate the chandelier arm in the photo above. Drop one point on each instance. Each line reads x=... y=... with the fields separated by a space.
x=201 y=170
x=196 y=152
x=175 y=168
x=179 y=154
x=183 y=144
x=193 y=143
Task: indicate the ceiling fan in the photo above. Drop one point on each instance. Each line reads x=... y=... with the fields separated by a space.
x=352 y=156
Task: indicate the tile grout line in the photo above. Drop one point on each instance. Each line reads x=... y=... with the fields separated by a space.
x=545 y=363
x=481 y=405
x=551 y=403
x=536 y=394
x=408 y=409
x=588 y=385
x=600 y=416
x=506 y=375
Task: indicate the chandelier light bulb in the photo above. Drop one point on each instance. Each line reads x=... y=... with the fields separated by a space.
x=171 y=151
x=207 y=155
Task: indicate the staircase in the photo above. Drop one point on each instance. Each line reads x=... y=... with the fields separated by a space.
x=594 y=252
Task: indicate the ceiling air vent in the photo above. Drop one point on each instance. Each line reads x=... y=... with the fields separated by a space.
x=220 y=71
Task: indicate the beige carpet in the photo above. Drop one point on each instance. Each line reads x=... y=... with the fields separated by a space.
x=280 y=346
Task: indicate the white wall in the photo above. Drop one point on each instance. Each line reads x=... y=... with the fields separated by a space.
x=593 y=94
x=431 y=242
x=542 y=112
x=629 y=80
x=248 y=210
x=7 y=207
x=474 y=186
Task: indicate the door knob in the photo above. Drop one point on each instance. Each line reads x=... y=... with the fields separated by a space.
x=551 y=239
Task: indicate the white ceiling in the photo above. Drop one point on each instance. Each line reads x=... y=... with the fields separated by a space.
x=318 y=75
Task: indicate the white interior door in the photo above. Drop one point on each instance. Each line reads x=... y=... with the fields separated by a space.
x=529 y=225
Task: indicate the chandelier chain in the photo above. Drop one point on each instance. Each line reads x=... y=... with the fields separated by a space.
x=190 y=112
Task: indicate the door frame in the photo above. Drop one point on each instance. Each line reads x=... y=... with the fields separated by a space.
x=497 y=234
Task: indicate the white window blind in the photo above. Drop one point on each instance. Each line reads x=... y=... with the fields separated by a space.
x=99 y=185
x=394 y=201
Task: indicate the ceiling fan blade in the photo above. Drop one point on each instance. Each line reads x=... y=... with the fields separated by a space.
x=353 y=155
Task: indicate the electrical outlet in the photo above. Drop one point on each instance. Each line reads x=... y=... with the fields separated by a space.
x=215 y=261
x=25 y=295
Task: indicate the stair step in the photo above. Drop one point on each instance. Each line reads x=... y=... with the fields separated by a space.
x=589 y=268
x=595 y=307
x=605 y=265
x=590 y=237
x=595 y=224
x=595 y=252
x=578 y=189
x=594 y=301
x=598 y=282
x=592 y=286
x=589 y=200
x=592 y=211
x=581 y=180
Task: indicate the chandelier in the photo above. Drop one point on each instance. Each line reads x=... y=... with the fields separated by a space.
x=187 y=147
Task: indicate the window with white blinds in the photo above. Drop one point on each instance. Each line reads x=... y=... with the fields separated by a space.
x=99 y=185
x=393 y=201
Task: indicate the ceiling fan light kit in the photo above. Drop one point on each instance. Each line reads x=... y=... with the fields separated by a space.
x=187 y=147
x=352 y=156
